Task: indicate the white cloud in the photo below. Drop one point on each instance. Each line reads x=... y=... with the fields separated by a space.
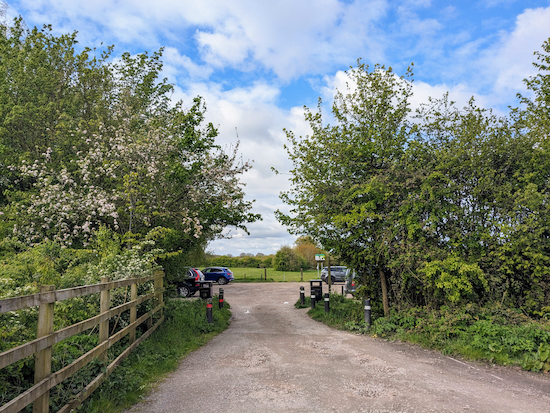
x=267 y=44
x=177 y=65
x=259 y=122
x=287 y=37
x=227 y=46
x=510 y=60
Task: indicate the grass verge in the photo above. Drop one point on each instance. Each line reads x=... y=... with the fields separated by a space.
x=492 y=334
x=185 y=329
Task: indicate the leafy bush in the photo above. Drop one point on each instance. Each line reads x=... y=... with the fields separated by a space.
x=494 y=334
x=287 y=259
x=453 y=279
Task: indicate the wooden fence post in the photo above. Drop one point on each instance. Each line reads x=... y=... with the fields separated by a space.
x=133 y=312
x=161 y=286
x=43 y=361
x=158 y=286
x=105 y=303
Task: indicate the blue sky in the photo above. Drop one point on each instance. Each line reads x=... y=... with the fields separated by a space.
x=257 y=63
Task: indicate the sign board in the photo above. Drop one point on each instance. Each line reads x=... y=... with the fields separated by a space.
x=319 y=257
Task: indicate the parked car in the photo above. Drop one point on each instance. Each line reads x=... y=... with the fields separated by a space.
x=350 y=285
x=337 y=273
x=221 y=275
x=187 y=281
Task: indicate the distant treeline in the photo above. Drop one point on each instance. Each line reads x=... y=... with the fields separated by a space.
x=241 y=262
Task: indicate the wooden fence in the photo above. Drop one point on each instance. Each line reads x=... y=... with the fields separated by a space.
x=41 y=347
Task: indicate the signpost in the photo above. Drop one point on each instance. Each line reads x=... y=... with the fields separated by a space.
x=320 y=258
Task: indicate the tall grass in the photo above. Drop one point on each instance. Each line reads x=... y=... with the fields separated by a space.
x=185 y=329
x=493 y=334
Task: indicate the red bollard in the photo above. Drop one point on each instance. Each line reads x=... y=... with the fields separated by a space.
x=209 y=311
x=220 y=295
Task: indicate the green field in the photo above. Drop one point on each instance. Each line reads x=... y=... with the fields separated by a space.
x=257 y=274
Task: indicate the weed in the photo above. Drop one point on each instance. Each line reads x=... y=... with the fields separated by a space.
x=185 y=329
x=494 y=334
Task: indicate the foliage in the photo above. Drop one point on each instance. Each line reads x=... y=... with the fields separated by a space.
x=342 y=188
x=87 y=142
x=494 y=334
x=185 y=329
x=46 y=263
x=49 y=263
x=445 y=206
x=453 y=279
x=306 y=247
x=287 y=259
x=46 y=89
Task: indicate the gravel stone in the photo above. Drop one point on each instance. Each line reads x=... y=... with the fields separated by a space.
x=274 y=358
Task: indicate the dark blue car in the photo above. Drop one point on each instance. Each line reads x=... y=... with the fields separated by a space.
x=221 y=275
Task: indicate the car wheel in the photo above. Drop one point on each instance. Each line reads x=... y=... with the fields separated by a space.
x=184 y=290
x=222 y=280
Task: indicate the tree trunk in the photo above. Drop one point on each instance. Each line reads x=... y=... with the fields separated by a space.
x=384 y=292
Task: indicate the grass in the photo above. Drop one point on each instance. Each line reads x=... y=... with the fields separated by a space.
x=257 y=275
x=185 y=329
x=492 y=334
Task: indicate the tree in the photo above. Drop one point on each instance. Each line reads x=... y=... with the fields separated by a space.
x=340 y=191
x=306 y=247
x=46 y=89
x=536 y=115
x=449 y=208
x=86 y=142
x=286 y=259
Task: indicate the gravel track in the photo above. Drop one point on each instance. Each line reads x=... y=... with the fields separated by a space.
x=274 y=358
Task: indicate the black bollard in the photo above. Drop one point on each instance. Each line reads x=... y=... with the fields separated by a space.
x=327 y=303
x=367 y=311
x=302 y=296
x=209 y=311
x=313 y=300
x=220 y=295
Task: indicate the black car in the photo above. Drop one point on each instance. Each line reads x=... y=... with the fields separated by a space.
x=187 y=281
x=337 y=273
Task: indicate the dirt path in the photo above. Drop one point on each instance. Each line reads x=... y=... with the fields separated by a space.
x=274 y=358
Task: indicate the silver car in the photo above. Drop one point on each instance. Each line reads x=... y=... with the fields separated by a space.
x=337 y=273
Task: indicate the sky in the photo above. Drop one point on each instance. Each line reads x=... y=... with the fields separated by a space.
x=257 y=63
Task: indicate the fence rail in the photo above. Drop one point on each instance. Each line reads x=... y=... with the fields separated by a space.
x=41 y=347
